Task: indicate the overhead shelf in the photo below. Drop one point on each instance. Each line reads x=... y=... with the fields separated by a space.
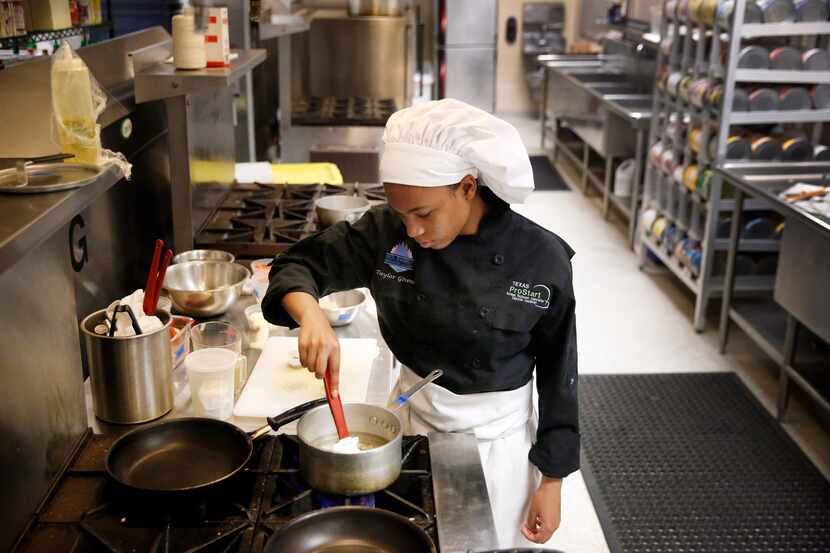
x=21 y=41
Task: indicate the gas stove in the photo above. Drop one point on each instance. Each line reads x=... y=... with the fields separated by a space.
x=87 y=512
x=256 y=220
x=342 y=111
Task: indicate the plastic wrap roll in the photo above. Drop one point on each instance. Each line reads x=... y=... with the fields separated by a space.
x=188 y=45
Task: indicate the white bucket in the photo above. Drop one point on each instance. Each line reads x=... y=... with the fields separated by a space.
x=624 y=178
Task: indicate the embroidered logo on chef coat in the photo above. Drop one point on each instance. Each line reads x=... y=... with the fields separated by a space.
x=400 y=258
x=537 y=295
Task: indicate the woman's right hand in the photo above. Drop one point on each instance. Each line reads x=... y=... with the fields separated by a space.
x=317 y=344
x=319 y=348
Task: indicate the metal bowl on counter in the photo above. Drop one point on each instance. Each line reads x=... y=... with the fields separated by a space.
x=204 y=255
x=333 y=209
x=205 y=288
x=341 y=308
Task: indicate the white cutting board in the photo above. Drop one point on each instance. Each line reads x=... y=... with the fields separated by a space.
x=274 y=386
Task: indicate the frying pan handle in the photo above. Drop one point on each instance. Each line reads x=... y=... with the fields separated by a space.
x=289 y=416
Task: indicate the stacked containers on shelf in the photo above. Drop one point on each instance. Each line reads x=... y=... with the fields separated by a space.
x=686 y=162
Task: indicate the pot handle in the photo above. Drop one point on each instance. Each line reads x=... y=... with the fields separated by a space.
x=288 y=416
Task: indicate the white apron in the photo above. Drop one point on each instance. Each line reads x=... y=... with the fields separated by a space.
x=505 y=425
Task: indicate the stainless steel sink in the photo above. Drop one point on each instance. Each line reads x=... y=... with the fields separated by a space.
x=583 y=101
x=597 y=77
x=604 y=89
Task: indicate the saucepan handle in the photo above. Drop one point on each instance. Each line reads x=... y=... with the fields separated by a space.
x=288 y=416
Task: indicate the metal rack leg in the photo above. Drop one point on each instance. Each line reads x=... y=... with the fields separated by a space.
x=729 y=279
x=701 y=302
x=544 y=117
x=585 y=158
x=789 y=360
x=636 y=186
x=606 y=193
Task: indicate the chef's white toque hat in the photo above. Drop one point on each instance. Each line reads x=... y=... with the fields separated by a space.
x=438 y=143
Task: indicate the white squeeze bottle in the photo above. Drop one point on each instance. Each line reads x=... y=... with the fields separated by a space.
x=75 y=117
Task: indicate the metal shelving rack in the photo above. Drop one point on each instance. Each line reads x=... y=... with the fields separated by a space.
x=695 y=215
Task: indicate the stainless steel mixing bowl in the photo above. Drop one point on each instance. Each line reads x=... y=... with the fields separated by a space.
x=204 y=255
x=205 y=288
x=333 y=209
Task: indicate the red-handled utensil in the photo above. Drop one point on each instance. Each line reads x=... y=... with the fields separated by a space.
x=152 y=275
x=165 y=262
x=336 y=407
x=155 y=278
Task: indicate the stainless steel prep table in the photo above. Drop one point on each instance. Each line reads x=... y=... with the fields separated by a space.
x=462 y=505
x=803 y=270
x=602 y=108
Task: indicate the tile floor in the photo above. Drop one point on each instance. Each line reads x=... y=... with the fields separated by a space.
x=632 y=321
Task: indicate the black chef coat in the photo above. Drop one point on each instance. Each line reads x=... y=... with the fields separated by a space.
x=486 y=309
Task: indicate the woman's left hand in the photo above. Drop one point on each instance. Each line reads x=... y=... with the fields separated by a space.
x=545 y=511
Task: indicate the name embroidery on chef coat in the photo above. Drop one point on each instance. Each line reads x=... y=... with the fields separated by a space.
x=537 y=295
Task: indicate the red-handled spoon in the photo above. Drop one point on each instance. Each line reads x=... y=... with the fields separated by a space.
x=336 y=407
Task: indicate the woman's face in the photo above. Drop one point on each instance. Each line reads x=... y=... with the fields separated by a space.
x=433 y=216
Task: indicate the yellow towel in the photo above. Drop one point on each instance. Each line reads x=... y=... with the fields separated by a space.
x=306 y=173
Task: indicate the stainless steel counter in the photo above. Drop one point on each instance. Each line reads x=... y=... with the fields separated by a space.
x=29 y=219
x=383 y=376
x=462 y=505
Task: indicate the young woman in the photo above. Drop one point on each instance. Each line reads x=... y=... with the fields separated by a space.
x=464 y=284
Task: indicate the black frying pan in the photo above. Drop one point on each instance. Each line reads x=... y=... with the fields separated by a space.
x=352 y=529
x=182 y=455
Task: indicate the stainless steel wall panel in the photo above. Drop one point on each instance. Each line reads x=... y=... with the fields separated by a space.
x=358 y=56
x=471 y=22
x=471 y=76
x=42 y=411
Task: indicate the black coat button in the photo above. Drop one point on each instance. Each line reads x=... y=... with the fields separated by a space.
x=476 y=363
x=475 y=331
x=483 y=312
x=498 y=259
x=421 y=297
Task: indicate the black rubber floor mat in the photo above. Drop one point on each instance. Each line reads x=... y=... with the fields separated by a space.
x=545 y=176
x=692 y=463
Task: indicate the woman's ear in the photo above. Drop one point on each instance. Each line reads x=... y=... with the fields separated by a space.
x=469 y=185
